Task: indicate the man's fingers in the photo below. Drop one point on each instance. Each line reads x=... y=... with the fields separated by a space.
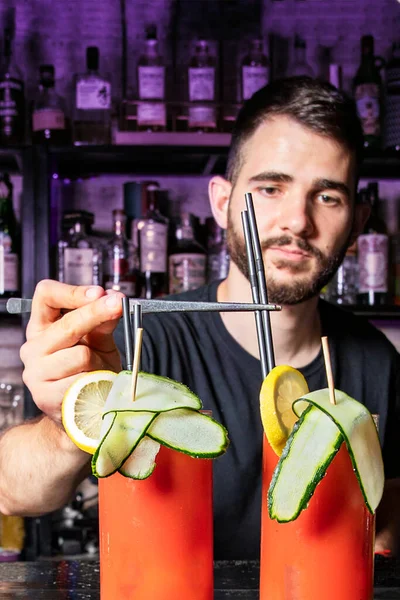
x=101 y=338
x=49 y=398
x=51 y=297
x=64 y=363
x=73 y=326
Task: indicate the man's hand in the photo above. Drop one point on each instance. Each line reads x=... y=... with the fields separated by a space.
x=388 y=519
x=61 y=346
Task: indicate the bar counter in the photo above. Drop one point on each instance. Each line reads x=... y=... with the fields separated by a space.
x=79 y=580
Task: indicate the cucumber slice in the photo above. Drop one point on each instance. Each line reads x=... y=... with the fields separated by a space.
x=120 y=435
x=153 y=394
x=309 y=450
x=358 y=429
x=141 y=462
x=190 y=432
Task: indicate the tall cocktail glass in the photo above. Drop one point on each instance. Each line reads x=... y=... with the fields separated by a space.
x=328 y=551
x=156 y=535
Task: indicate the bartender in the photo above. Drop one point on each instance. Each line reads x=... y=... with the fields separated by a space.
x=297 y=147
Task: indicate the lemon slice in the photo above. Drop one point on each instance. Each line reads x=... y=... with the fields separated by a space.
x=82 y=408
x=282 y=386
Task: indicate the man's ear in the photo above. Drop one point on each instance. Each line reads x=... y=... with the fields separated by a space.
x=219 y=191
x=361 y=214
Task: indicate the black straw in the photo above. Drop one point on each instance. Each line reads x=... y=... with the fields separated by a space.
x=262 y=285
x=255 y=294
x=127 y=334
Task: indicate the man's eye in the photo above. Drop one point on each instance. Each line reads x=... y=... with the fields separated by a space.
x=268 y=191
x=325 y=199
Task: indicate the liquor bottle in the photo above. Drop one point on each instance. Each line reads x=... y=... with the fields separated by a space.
x=151 y=111
x=9 y=240
x=92 y=112
x=367 y=92
x=336 y=75
x=119 y=272
x=12 y=99
x=79 y=257
x=49 y=124
x=255 y=70
x=153 y=243
x=202 y=90
x=300 y=65
x=392 y=100
x=343 y=288
x=373 y=249
x=217 y=251
x=395 y=267
x=187 y=259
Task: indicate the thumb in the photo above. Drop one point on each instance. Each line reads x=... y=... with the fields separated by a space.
x=102 y=337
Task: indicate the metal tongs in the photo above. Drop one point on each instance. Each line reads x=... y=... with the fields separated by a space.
x=24 y=305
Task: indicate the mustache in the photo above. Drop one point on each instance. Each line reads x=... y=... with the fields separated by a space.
x=286 y=240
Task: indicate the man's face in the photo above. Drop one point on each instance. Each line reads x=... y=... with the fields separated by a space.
x=303 y=192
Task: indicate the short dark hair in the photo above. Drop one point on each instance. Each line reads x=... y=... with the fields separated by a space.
x=313 y=103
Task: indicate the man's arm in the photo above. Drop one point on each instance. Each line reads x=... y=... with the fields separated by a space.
x=388 y=519
x=39 y=468
x=388 y=512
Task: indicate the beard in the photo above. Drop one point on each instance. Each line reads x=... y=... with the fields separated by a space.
x=301 y=288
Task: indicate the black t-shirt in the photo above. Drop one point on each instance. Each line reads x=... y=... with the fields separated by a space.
x=197 y=349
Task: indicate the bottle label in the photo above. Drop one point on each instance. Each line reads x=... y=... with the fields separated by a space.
x=151 y=113
x=186 y=272
x=93 y=94
x=153 y=247
x=201 y=83
x=254 y=78
x=49 y=118
x=202 y=116
x=9 y=264
x=78 y=266
x=367 y=100
x=392 y=120
x=393 y=80
x=151 y=83
x=217 y=266
x=12 y=106
x=126 y=287
x=373 y=263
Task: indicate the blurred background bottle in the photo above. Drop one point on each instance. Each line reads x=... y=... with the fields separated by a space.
x=392 y=100
x=49 y=123
x=373 y=250
x=343 y=288
x=9 y=241
x=367 y=85
x=152 y=232
x=187 y=258
x=79 y=257
x=299 y=65
x=92 y=110
x=217 y=251
x=120 y=272
x=151 y=111
x=202 y=89
x=12 y=528
x=12 y=99
x=255 y=69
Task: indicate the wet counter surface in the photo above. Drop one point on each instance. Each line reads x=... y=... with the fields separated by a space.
x=79 y=580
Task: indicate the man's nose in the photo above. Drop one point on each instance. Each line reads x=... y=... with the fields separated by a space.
x=294 y=216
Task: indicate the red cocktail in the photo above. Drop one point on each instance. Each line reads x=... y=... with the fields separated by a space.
x=156 y=535
x=327 y=552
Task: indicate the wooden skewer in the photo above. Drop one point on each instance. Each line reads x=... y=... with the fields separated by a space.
x=136 y=359
x=328 y=367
